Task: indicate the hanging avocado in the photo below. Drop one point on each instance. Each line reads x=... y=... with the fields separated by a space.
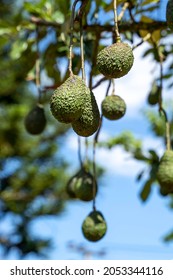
x=113 y=107
x=94 y=226
x=89 y=121
x=68 y=100
x=81 y=186
x=165 y=172
x=71 y=185
x=153 y=97
x=116 y=60
x=35 y=121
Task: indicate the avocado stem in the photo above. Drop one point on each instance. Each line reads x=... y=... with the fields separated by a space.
x=71 y=36
x=117 y=34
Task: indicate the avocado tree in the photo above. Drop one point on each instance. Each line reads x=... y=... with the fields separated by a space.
x=45 y=46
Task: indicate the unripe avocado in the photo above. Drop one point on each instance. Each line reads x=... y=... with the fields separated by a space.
x=165 y=172
x=70 y=186
x=94 y=226
x=116 y=60
x=35 y=121
x=68 y=100
x=169 y=14
x=82 y=185
x=89 y=121
x=153 y=97
x=113 y=107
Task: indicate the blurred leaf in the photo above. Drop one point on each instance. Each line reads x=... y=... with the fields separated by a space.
x=155 y=36
x=168 y=237
x=146 y=190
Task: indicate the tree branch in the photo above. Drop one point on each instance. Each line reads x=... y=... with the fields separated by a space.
x=96 y=28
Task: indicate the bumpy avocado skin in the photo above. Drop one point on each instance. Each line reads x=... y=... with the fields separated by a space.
x=165 y=172
x=68 y=100
x=169 y=14
x=94 y=226
x=35 y=121
x=116 y=60
x=89 y=121
x=113 y=107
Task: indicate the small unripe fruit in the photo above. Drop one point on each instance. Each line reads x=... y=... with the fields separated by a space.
x=35 y=121
x=94 y=226
x=116 y=60
x=82 y=186
x=113 y=107
x=153 y=97
x=165 y=172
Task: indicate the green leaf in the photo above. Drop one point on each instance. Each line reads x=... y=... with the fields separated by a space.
x=146 y=190
x=168 y=237
x=17 y=48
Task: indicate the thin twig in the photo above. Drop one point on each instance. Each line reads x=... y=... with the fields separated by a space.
x=113 y=87
x=117 y=34
x=101 y=121
x=99 y=82
x=146 y=38
x=94 y=59
x=71 y=36
x=95 y=141
x=160 y=103
x=124 y=8
x=94 y=176
x=82 y=51
x=81 y=10
x=37 y=65
x=79 y=152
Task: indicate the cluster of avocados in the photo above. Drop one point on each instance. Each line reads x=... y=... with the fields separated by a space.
x=114 y=61
x=83 y=186
x=73 y=102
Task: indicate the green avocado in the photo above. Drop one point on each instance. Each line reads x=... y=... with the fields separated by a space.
x=89 y=121
x=94 y=226
x=35 y=121
x=116 y=60
x=165 y=172
x=68 y=100
x=113 y=107
x=82 y=185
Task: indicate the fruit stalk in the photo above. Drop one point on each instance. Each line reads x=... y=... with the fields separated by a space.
x=37 y=65
x=161 y=109
x=117 y=34
x=71 y=36
x=82 y=51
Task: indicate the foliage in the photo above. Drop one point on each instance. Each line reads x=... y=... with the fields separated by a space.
x=33 y=175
